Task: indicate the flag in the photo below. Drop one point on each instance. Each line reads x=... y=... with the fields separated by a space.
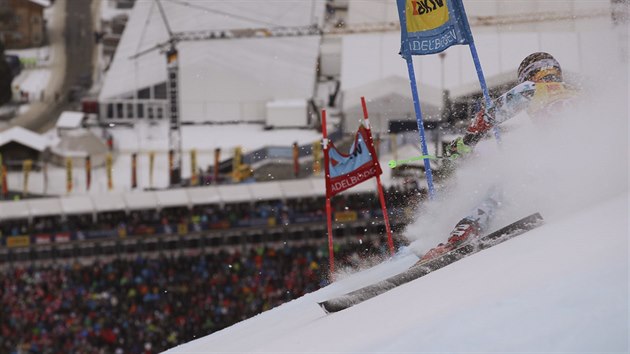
x=217 y=159
x=88 y=172
x=134 y=170
x=194 y=179
x=296 y=159
x=236 y=164
x=171 y=165
x=68 y=174
x=317 y=157
x=359 y=165
x=151 y=165
x=108 y=168
x=27 y=165
x=431 y=26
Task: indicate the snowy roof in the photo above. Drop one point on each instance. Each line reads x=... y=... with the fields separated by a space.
x=172 y=198
x=140 y=200
x=236 y=193
x=70 y=120
x=44 y=207
x=203 y=196
x=14 y=210
x=77 y=205
x=24 y=137
x=266 y=191
x=217 y=76
x=109 y=202
x=43 y=3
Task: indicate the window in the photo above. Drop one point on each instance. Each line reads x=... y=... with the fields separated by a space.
x=110 y=111
x=119 y=110
x=159 y=91
x=144 y=93
x=140 y=108
x=130 y=114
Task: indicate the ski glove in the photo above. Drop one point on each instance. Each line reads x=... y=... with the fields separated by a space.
x=457 y=148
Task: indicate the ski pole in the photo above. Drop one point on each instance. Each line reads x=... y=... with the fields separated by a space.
x=396 y=163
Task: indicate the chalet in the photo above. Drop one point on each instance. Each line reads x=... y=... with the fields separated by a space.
x=22 y=23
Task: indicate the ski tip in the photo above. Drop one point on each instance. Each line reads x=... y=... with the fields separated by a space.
x=323 y=306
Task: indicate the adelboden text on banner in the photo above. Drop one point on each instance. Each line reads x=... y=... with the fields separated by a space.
x=429 y=27
x=359 y=165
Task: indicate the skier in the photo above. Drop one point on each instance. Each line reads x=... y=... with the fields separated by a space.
x=542 y=92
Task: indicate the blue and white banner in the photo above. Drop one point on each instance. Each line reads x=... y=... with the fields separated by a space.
x=431 y=26
x=359 y=165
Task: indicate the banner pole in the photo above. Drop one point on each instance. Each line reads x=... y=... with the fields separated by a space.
x=331 y=251
x=381 y=195
x=482 y=83
x=423 y=142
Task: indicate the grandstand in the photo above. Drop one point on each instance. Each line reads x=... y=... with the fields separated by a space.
x=49 y=229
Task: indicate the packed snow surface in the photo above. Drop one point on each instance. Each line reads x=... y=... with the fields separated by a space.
x=560 y=288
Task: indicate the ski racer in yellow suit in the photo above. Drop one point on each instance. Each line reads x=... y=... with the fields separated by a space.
x=541 y=92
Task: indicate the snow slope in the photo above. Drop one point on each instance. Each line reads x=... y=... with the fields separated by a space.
x=560 y=288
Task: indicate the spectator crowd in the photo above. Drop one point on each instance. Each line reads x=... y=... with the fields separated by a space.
x=153 y=302
x=146 y=305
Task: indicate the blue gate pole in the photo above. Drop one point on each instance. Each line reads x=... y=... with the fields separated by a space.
x=482 y=82
x=423 y=142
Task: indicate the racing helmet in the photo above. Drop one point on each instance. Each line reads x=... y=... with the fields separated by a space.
x=539 y=66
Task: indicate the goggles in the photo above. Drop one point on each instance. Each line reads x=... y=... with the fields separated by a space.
x=539 y=69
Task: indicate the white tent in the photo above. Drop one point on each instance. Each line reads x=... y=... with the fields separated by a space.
x=220 y=80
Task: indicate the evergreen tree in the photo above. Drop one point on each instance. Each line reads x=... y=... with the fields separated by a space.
x=5 y=77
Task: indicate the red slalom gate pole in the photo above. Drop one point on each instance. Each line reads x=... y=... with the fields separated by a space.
x=331 y=251
x=381 y=196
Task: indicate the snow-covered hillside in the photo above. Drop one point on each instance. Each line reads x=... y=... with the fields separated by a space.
x=562 y=287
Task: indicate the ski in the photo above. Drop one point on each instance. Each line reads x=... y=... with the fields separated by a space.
x=425 y=267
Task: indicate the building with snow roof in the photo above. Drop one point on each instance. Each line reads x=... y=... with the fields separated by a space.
x=23 y=24
x=18 y=144
x=221 y=79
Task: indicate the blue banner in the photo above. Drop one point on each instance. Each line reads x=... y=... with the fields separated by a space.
x=359 y=165
x=431 y=26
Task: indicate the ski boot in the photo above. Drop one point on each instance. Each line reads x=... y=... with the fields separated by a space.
x=466 y=229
